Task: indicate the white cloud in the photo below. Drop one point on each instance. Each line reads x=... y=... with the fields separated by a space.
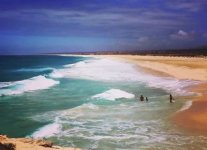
x=182 y=35
x=187 y=5
x=143 y=39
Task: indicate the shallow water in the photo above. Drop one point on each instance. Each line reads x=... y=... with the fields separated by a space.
x=93 y=104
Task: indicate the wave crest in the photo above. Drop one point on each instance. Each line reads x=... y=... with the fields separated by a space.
x=34 y=69
x=47 y=131
x=113 y=94
x=28 y=85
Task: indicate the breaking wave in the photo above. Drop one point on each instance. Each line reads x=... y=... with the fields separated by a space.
x=113 y=94
x=28 y=85
x=48 y=130
x=34 y=69
x=114 y=71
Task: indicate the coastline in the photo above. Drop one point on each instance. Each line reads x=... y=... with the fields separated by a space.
x=193 y=118
x=29 y=144
x=156 y=84
x=188 y=68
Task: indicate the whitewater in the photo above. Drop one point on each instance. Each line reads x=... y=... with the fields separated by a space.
x=93 y=103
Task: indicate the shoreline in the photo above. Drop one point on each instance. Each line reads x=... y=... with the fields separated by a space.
x=192 y=119
x=177 y=67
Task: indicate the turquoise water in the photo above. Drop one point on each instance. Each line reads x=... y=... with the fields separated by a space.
x=91 y=103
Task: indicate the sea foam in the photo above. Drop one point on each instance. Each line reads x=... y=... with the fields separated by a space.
x=28 y=85
x=56 y=74
x=56 y=127
x=100 y=69
x=47 y=131
x=113 y=94
x=186 y=106
x=115 y=71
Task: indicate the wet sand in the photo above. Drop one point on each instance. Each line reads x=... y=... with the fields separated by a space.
x=194 y=119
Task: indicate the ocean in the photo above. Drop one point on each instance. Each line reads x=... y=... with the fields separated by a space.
x=91 y=103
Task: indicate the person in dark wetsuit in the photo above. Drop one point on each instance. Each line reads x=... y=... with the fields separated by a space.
x=171 y=98
x=141 y=98
x=146 y=99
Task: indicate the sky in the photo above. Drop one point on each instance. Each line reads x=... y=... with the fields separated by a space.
x=54 y=26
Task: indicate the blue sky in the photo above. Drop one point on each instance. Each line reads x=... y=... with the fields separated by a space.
x=43 y=26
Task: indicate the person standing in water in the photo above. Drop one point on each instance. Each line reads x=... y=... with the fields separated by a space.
x=141 y=98
x=146 y=99
x=171 y=98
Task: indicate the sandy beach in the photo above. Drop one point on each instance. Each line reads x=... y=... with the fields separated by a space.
x=194 y=118
x=190 y=68
x=193 y=68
